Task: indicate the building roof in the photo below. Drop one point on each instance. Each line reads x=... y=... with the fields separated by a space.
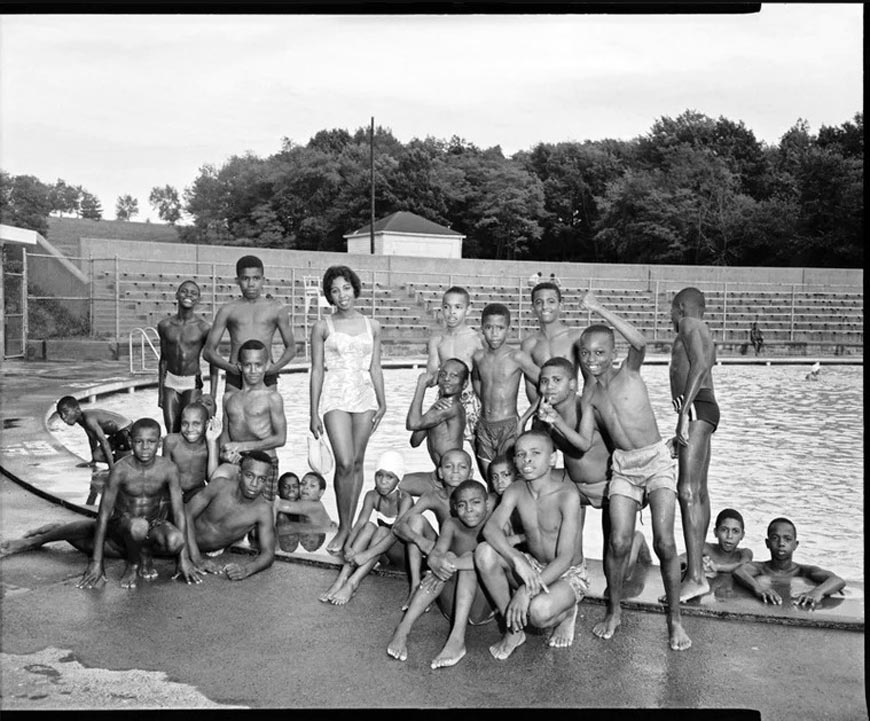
x=404 y=222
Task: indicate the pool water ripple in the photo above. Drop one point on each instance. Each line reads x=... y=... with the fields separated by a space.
x=786 y=446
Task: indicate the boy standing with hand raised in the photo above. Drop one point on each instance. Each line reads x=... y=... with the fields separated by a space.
x=642 y=464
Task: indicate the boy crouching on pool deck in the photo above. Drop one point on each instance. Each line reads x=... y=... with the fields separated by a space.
x=194 y=450
x=642 y=465
x=451 y=580
x=544 y=585
x=413 y=528
x=108 y=433
x=254 y=416
x=782 y=542
x=222 y=514
x=132 y=515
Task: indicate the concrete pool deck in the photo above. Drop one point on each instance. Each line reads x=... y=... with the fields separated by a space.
x=316 y=656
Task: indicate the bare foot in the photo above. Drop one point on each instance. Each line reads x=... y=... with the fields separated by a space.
x=128 y=580
x=450 y=655
x=563 y=634
x=336 y=544
x=146 y=568
x=7 y=548
x=398 y=646
x=329 y=594
x=509 y=643
x=689 y=590
x=679 y=639
x=607 y=627
x=343 y=595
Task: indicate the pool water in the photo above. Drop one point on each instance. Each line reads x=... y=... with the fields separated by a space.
x=786 y=446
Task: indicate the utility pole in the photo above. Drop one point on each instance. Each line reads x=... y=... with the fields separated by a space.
x=372 y=183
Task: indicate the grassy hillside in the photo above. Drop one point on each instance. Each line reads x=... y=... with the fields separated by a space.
x=64 y=233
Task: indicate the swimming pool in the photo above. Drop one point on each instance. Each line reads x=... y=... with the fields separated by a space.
x=786 y=446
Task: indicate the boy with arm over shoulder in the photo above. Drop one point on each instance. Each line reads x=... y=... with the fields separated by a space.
x=642 y=467
x=544 y=585
x=443 y=425
x=496 y=372
x=781 y=568
x=452 y=581
x=457 y=340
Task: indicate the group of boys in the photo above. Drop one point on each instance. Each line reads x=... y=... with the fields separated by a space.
x=521 y=543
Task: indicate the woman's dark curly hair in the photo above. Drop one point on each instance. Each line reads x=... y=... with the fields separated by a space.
x=340 y=271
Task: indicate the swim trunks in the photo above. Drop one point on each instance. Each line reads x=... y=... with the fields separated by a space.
x=494 y=438
x=182 y=384
x=120 y=441
x=576 y=576
x=639 y=472
x=592 y=494
x=191 y=492
x=234 y=380
x=347 y=382
x=703 y=408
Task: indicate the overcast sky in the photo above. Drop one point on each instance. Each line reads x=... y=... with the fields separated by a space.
x=121 y=103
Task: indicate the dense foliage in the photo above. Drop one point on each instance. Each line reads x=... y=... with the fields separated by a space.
x=693 y=190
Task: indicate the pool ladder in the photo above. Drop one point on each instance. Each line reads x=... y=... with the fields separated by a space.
x=145 y=336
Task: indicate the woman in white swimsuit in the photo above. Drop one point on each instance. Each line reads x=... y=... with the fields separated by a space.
x=347 y=389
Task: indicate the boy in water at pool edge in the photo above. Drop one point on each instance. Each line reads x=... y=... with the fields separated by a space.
x=782 y=542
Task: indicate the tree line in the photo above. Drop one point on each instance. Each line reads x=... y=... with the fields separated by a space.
x=693 y=190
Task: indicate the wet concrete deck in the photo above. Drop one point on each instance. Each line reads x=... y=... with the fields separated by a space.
x=268 y=643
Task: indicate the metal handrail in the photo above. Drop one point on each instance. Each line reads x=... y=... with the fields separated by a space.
x=143 y=338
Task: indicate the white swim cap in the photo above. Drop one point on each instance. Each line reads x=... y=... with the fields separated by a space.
x=392 y=462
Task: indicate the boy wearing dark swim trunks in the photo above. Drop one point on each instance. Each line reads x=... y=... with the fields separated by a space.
x=691 y=373
x=496 y=373
x=642 y=467
x=132 y=515
x=451 y=581
x=108 y=433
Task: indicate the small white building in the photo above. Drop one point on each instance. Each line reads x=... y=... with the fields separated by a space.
x=404 y=233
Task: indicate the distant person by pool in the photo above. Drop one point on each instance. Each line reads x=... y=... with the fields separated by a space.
x=756 y=337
